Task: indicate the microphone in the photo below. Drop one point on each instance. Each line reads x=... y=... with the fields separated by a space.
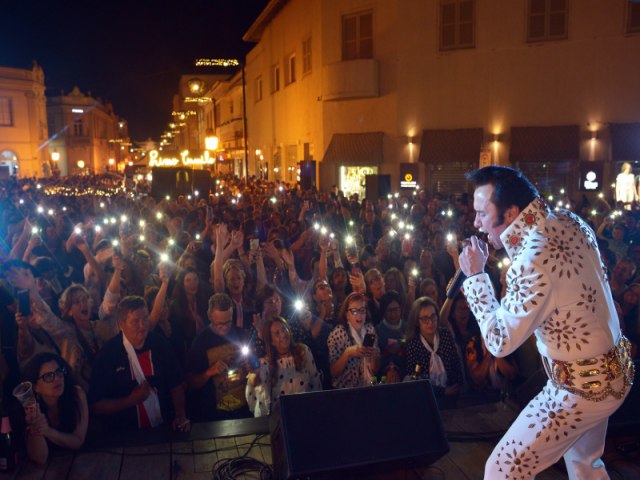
x=456 y=282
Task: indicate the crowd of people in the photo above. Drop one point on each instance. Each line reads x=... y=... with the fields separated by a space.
x=143 y=311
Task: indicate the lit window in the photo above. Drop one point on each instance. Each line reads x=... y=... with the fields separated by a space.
x=306 y=55
x=547 y=20
x=457 y=24
x=6 y=112
x=357 y=36
x=275 y=78
x=291 y=69
x=258 y=89
x=77 y=128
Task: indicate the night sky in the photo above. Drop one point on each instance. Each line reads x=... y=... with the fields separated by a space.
x=130 y=53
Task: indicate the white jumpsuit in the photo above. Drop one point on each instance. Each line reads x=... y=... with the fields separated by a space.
x=557 y=289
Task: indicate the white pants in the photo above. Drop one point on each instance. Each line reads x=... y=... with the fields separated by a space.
x=556 y=423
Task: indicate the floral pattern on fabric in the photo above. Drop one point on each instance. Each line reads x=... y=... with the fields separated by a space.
x=565 y=330
x=589 y=297
x=553 y=419
x=516 y=460
x=561 y=252
x=523 y=289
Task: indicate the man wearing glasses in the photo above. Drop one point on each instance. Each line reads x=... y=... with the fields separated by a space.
x=217 y=367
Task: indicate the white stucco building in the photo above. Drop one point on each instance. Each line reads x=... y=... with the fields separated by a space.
x=23 y=123
x=365 y=85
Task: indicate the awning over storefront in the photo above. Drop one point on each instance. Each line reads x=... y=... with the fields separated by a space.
x=625 y=141
x=545 y=144
x=446 y=146
x=355 y=149
x=448 y=155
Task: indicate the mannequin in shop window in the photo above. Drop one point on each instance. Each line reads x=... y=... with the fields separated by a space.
x=625 y=186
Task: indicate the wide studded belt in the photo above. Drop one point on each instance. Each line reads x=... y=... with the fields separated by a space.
x=591 y=378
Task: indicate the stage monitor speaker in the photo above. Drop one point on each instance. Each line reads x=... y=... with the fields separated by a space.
x=377 y=186
x=354 y=431
x=307 y=174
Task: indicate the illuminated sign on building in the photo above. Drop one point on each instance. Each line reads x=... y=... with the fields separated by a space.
x=408 y=175
x=155 y=160
x=198 y=100
x=591 y=175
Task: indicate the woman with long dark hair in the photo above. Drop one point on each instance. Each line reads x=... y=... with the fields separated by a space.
x=188 y=315
x=61 y=415
x=268 y=307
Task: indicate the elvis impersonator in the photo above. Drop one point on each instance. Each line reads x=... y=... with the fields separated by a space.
x=557 y=289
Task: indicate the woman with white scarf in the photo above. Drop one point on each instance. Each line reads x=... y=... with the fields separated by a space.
x=351 y=363
x=433 y=348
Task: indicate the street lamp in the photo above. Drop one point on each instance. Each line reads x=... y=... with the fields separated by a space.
x=55 y=155
x=196 y=86
x=211 y=141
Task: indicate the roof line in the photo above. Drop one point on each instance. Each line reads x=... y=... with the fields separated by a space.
x=254 y=34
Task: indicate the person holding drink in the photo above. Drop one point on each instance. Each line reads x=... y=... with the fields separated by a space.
x=55 y=408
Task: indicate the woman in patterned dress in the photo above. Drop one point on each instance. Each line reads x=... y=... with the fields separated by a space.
x=287 y=368
x=351 y=363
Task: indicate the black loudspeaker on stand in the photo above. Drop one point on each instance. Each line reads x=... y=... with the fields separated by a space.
x=377 y=186
x=347 y=433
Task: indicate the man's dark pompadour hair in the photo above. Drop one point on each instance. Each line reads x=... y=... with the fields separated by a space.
x=511 y=187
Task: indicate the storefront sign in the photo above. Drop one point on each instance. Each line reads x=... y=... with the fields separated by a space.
x=591 y=175
x=155 y=160
x=485 y=158
x=408 y=175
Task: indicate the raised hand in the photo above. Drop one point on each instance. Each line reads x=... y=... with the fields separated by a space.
x=237 y=239
x=222 y=236
x=287 y=256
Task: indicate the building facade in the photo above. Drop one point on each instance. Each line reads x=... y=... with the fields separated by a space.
x=363 y=86
x=86 y=135
x=23 y=123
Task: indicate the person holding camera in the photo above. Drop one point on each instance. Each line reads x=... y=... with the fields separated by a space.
x=216 y=367
x=354 y=356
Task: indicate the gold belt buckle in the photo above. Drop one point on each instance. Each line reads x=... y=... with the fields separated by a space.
x=560 y=373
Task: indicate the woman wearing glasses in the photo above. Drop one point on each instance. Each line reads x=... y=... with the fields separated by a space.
x=433 y=348
x=61 y=415
x=352 y=362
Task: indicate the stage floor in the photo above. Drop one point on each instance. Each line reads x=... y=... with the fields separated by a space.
x=472 y=432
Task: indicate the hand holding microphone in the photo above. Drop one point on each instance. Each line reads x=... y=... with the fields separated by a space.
x=474 y=256
x=472 y=260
